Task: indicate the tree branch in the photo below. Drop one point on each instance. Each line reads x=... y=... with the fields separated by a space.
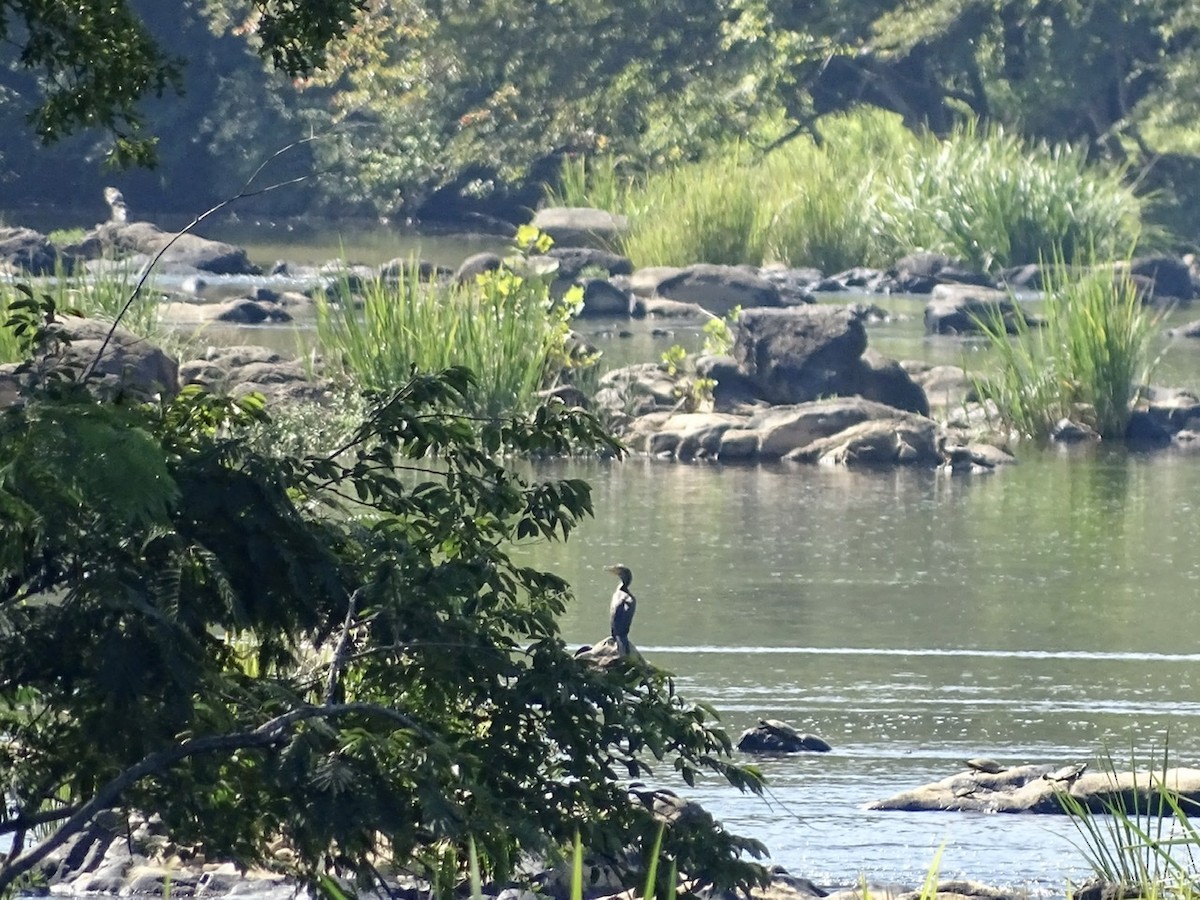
x=264 y=736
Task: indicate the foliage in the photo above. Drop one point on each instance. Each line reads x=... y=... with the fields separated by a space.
x=1150 y=845
x=595 y=181
x=505 y=326
x=700 y=212
x=871 y=191
x=94 y=60
x=1087 y=363
x=695 y=391
x=335 y=650
x=991 y=199
x=101 y=297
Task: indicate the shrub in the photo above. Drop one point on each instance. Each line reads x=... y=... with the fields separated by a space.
x=505 y=327
x=992 y=199
x=1086 y=364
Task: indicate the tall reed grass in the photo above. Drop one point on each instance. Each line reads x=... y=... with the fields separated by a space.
x=702 y=212
x=866 y=193
x=1149 y=845
x=1087 y=363
x=991 y=199
x=505 y=327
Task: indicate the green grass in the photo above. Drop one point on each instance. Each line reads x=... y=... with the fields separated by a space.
x=871 y=191
x=594 y=181
x=504 y=327
x=100 y=297
x=1086 y=364
x=1152 y=845
x=708 y=212
x=991 y=199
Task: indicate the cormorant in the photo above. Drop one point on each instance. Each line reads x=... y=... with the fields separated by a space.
x=620 y=613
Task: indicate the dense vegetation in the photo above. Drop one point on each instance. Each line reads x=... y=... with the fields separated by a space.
x=870 y=192
x=426 y=103
x=330 y=649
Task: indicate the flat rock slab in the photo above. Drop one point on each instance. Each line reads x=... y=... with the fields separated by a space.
x=1027 y=789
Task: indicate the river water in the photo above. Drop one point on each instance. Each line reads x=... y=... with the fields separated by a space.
x=1042 y=614
x=1045 y=613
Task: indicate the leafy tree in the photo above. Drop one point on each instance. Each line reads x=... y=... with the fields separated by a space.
x=93 y=61
x=333 y=649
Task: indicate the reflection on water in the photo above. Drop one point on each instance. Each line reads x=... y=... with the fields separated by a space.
x=1044 y=614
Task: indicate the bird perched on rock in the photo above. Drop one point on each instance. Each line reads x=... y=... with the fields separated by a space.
x=620 y=612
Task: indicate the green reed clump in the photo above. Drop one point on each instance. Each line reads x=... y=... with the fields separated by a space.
x=505 y=327
x=992 y=199
x=870 y=191
x=821 y=218
x=594 y=181
x=1087 y=362
x=1142 y=839
x=701 y=212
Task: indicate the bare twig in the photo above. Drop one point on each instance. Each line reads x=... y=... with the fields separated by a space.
x=243 y=194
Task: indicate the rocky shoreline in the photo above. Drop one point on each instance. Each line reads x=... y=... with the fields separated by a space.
x=800 y=384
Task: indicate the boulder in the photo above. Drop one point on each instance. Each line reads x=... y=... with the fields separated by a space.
x=636 y=390
x=404 y=267
x=687 y=436
x=239 y=370
x=798 y=354
x=580 y=226
x=772 y=736
x=783 y=429
x=945 y=387
x=576 y=262
x=1190 y=330
x=25 y=251
x=1168 y=276
x=901 y=439
x=186 y=251
x=475 y=265
x=121 y=362
x=245 y=311
x=919 y=273
x=644 y=282
x=959 y=309
x=886 y=381
x=603 y=298
x=1039 y=789
x=718 y=289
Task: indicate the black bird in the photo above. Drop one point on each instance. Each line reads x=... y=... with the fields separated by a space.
x=620 y=613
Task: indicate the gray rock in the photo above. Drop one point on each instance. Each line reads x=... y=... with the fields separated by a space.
x=239 y=370
x=475 y=265
x=189 y=251
x=251 y=312
x=919 y=273
x=772 y=736
x=1190 y=330
x=580 y=226
x=958 y=309
x=1026 y=789
x=718 y=289
x=644 y=282
x=603 y=298
x=128 y=365
x=23 y=250
x=574 y=262
x=1169 y=276
x=901 y=439
x=782 y=429
x=801 y=353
